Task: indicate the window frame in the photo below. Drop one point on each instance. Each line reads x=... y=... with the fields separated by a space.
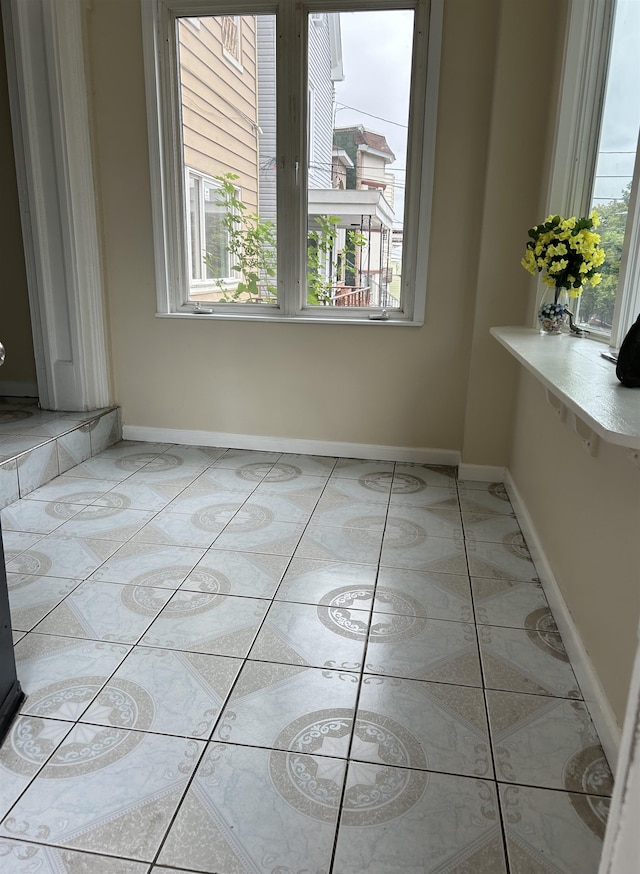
x=168 y=179
x=579 y=118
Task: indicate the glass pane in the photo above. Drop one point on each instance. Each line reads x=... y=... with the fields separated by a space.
x=216 y=234
x=228 y=104
x=359 y=70
x=194 y=228
x=616 y=157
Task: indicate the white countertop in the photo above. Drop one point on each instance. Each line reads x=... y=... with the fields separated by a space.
x=574 y=371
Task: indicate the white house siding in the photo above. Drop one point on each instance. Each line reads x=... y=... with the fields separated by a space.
x=266 y=52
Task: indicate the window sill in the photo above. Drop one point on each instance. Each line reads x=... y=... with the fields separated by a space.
x=304 y=320
x=574 y=372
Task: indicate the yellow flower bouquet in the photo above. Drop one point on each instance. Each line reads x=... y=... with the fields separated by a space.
x=567 y=250
x=569 y=253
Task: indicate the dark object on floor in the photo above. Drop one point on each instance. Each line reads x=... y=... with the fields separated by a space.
x=628 y=366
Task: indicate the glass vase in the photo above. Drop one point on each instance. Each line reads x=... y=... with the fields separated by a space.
x=552 y=313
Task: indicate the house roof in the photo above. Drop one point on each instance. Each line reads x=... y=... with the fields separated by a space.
x=363 y=137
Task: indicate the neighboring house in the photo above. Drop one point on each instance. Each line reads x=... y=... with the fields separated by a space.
x=218 y=74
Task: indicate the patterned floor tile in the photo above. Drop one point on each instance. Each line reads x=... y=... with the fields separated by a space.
x=490 y=527
x=72 y=490
x=99 y=467
x=60 y=676
x=226 y=572
x=212 y=507
x=423 y=649
x=149 y=564
x=242 y=480
x=25 y=749
x=370 y=488
x=407 y=545
x=287 y=707
x=299 y=465
x=414 y=491
x=253 y=532
x=523 y=660
x=550 y=832
x=407 y=474
x=401 y=821
x=37 y=517
x=17 y=542
x=17 y=857
x=32 y=597
x=509 y=560
x=202 y=622
x=189 y=456
x=281 y=481
x=179 y=529
x=334 y=583
x=356 y=468
x=549 y=742
x=254 y=810
x=484 y=498
x=434 y=521
x=106 y=611
x=419 y=593
x=168 y=692
x=508 y=602
x=58 y=556
x=430 y=726
x=235 y=459
x=139 y=778
x=306 y=634
x=355 y=514
x=290 y=506
x=139 y=496
x=359 y=545
x=105 y=523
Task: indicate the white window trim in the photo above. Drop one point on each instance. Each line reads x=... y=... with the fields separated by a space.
x=586 y=58
x=168 y=201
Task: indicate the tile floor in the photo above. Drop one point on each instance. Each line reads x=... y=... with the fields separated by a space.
x=251 y=662
x=37 y=445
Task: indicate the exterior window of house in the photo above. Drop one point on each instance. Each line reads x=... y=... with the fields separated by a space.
x=292 y=185
x=596 y=163
x=611 y=192
x=231 y=37
x=209 y=257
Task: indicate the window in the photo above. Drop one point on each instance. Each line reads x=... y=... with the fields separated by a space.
x=596 y=163
x=296 y=182
x=208 y=234
x=232 y=38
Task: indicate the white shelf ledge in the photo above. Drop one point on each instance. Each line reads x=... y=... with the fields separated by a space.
x=574 y=372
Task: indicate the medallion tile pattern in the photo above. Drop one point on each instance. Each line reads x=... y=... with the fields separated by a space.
x=249 y=662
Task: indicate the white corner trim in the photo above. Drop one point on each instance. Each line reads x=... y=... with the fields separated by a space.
x=292 y=445
x=50 y=121
x=621 y=849
x=594 y=695
x=484 y=473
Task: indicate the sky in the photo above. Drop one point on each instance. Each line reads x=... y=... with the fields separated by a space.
x=621 y=120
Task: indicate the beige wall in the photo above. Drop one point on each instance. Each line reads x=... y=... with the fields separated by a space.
x=366 y=384
x=587 y=513
x=15 y=320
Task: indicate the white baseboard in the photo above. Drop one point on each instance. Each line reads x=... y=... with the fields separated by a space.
x=10 y=389
x=292 y=445
x=484 y=473
x=594 y=695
